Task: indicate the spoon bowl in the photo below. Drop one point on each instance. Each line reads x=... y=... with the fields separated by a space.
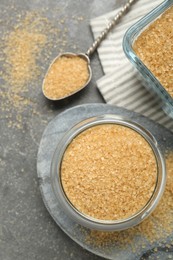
x=65 y=93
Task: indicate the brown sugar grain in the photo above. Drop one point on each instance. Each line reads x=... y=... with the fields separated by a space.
x=26 y=46
x=109 y=172
x=65 y=76
x=154 y=47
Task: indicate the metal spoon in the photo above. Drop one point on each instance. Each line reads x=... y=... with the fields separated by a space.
x=86 y=56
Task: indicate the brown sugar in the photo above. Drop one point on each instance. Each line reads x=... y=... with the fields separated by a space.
x=27 y=44
x=22 y=48
x=154 y=48
x=156 y=228
x=65 y=76
x=109 y=172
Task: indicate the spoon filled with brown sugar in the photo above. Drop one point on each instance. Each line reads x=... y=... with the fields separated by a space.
x=69 y=72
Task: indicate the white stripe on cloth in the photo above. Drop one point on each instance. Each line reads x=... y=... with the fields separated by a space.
x=120 y=86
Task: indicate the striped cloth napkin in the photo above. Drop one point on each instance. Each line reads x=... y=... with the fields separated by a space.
x=120 y=86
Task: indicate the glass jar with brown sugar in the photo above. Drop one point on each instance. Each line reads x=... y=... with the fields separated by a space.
x=108 y=173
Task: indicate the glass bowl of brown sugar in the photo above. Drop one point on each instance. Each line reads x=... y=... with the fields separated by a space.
x=148 y=45
x=108 y=173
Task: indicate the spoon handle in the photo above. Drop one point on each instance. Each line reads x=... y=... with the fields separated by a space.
x=109 y=27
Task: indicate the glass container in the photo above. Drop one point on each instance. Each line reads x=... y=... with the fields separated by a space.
x=148 y=78
x=90 y=222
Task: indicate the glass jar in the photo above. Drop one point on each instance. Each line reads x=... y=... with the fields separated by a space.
x=71 y=210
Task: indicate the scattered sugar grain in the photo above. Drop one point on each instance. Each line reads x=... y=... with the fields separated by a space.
x=24 y=48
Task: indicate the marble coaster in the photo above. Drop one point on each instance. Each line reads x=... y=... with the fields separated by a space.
x=50 y=138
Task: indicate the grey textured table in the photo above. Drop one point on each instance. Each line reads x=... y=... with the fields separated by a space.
x=27 y=231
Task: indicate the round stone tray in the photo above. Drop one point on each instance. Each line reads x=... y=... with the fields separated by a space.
x=51 y=136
